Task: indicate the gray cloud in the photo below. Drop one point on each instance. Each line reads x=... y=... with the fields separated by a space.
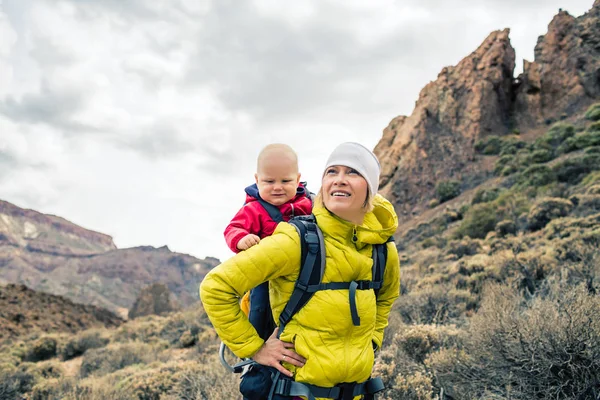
x=50 y=106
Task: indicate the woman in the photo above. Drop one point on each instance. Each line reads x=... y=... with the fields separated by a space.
x=321 y=345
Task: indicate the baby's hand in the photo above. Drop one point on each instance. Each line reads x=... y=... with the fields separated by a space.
x=248 y=241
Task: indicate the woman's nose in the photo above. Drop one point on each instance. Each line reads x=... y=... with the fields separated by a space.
x=340 y=179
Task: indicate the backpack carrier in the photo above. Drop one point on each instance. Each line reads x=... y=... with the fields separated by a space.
x=262 y=382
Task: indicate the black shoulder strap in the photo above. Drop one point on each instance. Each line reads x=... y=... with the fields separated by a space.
x=379 y=261
x=312 y=266
x=273 y=211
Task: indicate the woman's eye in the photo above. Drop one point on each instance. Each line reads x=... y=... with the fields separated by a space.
x=330 y=171
x=352 y=171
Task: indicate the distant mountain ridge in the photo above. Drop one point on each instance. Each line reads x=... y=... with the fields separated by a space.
x=50 y=254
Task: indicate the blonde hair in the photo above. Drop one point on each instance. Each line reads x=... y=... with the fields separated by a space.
x=279 y=149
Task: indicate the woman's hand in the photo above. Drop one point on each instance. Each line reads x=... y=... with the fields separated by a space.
x=274 y=351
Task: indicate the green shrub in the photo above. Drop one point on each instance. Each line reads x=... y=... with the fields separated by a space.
x=537 y=175
x=574 y=169
x=485 y=195
x=546 y=210
x=593 y=150
x=593 y=112
x=478 y=221
x=555 y=136
x=569 y=145
x=503 y=162
x=588 y=139
x=491 y=145
x=447 y=190
x=512 y=146
x=541 y=156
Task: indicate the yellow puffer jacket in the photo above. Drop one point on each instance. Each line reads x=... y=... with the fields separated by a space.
x=322 y=331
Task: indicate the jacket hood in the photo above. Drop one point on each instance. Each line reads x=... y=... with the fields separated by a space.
x=377 y=227
x=252 y=192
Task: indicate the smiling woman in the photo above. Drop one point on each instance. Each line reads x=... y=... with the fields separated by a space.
x=327 y=349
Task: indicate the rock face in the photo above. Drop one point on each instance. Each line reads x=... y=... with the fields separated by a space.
x=155 y=299
x=436 y=142
x=479 y=97
x=24 y=311
x=565 y=75
x=48 y=233
x=53 y=255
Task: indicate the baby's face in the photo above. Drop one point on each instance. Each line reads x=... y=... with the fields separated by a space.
x=277 y=179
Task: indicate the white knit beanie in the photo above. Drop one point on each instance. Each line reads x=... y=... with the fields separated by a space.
x=358 y=157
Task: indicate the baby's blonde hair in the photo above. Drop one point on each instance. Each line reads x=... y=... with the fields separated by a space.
x=279 y=148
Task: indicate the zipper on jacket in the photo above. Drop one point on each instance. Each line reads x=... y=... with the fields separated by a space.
x=354 y=237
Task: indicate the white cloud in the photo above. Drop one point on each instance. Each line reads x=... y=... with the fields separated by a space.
x=143 y=119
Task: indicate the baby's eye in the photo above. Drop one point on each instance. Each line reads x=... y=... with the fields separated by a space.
x=268 y=181
x=286 y=180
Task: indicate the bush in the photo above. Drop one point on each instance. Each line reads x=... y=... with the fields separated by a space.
x=541 y=156
x=574 y=169
x=81 y=343
x=503 y=162
x=490 y=145
x=537 y=175
x=593 y=150
x=42 y=349
x=112 y=358
x=512 y=146
x=447 y=190
x=548 y=347
x=546 y=210
x=506 y=227
x=463 y=247
x=478 y=221
x=593 y=112
x=433 y=203
x=485 y=195
x=588 y=139
x=554 y=138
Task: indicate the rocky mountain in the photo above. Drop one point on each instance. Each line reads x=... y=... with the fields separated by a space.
x=53 y=255
x=24 y=311
x=480 y=97
x=155 y=299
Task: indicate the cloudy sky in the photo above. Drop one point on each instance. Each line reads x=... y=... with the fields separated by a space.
x=142 y=119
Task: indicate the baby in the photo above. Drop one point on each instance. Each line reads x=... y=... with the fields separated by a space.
x=277 y=196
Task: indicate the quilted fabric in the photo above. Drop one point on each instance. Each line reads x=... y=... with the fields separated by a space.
x=322 y=331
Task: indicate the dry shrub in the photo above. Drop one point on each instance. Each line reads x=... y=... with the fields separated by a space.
x=42 y=349
x=418 y=341
x=90 y=339
x=547 y=347
x=432 y=305
x=205 y=381
x=546 y=210
x=114 y=357
x=73 y=389
x=464 y=247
